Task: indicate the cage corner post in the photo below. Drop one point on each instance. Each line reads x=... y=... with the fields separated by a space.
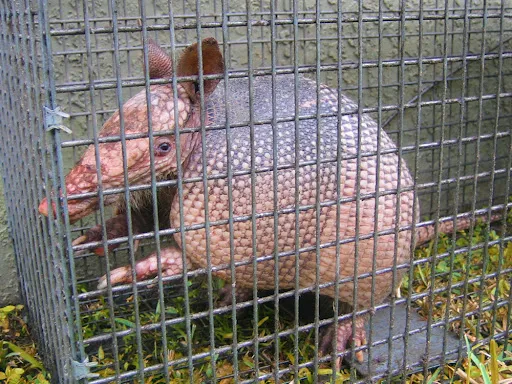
x=70 y=363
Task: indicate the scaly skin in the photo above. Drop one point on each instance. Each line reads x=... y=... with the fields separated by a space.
x=359 y=135
x=329 y=192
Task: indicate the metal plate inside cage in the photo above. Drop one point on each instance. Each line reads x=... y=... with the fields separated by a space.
x=438 y=341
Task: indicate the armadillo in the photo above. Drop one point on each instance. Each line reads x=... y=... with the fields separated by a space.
x=274 y=150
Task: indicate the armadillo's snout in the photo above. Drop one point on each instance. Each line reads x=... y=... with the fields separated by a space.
x=43 y=207
x=77 y=209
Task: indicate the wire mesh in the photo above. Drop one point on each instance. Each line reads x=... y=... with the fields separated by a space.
x=435 y=76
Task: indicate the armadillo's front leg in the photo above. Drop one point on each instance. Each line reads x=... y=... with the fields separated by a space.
x=343 y=336
x=115 y=227
x=172 y=264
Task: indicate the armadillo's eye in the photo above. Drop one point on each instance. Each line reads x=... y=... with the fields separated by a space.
x=163 y=148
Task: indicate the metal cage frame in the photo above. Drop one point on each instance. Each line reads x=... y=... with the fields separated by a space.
x=43 y=95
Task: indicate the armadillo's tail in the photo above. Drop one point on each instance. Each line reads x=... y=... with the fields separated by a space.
x=447 y=225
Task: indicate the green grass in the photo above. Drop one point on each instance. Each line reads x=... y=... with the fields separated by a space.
x=487 y=363
x=19 y=361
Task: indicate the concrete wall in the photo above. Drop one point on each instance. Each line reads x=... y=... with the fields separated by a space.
x=394 y=41
x=9 y=290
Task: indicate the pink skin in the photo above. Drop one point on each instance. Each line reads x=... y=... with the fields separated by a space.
x=172 y=265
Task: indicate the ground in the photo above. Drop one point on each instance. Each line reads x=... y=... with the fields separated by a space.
x=490 y=362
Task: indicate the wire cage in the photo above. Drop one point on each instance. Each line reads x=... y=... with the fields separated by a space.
x=435 y=76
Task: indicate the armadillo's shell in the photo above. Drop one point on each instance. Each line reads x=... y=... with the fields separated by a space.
x=284 y=135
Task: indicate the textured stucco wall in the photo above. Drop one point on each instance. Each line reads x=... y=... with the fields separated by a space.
x=9 y=290
x=394 y=41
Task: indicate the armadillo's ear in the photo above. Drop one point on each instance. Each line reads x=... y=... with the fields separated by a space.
x=160 y=64
x=213 y=64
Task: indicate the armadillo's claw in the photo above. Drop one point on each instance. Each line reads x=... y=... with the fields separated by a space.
x=171 y=265
x=398 y=290
x=359 y=354
x=343 y=336
x=79 y=240
x=121 y=275
x=115 y=227
x=94 y=234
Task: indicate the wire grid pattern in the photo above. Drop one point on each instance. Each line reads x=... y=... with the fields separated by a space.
x=434 y=76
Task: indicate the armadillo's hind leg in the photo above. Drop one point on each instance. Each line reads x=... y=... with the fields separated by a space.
x=172 y=264
x=226 y=295
x=344 y=337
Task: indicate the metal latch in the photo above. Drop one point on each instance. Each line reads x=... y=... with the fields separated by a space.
x=53 y=119
x=81 y=370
